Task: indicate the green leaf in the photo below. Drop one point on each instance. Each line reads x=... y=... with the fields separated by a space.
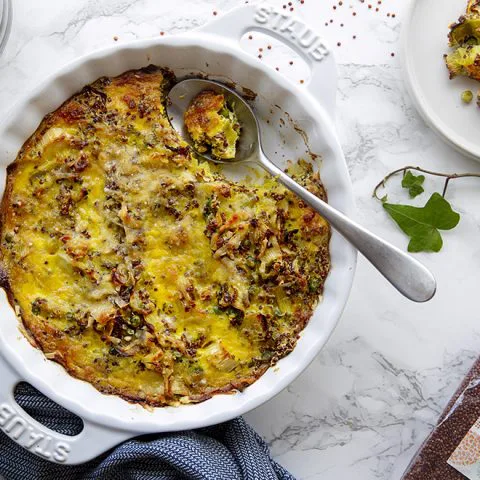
x=421 y=224
x=413 y=183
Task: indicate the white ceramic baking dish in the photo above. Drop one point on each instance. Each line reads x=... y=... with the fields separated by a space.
x=214 y=50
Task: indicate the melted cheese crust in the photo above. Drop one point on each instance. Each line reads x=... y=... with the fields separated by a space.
x=144 y=271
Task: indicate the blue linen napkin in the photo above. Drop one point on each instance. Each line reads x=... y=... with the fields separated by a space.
x=229 y=451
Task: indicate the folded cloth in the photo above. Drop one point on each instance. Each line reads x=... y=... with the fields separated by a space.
x=230 y=451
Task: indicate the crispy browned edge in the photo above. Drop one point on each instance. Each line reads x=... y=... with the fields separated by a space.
x=39 y=338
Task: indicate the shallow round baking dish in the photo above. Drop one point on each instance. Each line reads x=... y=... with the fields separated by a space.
x=308 y=110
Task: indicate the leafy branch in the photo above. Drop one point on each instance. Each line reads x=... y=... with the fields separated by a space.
x=422 y=224
x=404 y=170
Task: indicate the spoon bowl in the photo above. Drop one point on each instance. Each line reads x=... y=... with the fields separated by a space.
x=406 y=274
x=182 y=94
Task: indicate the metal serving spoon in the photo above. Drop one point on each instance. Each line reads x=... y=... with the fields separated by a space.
x=406 y=274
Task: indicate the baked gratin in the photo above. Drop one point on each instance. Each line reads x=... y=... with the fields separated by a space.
x=143 y=270
x=464 y=38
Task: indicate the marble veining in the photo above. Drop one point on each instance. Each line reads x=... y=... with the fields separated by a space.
x=366 y=403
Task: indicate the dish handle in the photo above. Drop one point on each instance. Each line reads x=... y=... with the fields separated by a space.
x=55 y=447
x=292 y=31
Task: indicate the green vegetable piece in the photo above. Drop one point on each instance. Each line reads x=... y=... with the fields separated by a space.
x=313 y=285
x=135 y=321
x=207 y=209
x=467 y=96
x=467 y=29
x=413 y=183
x=422 y=224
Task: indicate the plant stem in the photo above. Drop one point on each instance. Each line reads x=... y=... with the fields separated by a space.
x=447 y=176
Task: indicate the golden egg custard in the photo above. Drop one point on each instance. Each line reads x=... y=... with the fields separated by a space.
x=143 y=270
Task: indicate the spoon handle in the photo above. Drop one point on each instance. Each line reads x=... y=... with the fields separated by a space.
x=406 y=274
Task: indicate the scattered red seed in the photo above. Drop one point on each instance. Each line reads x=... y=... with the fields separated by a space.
x=374 y=5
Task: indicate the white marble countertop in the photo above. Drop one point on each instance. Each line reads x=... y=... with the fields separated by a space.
x=366 y=403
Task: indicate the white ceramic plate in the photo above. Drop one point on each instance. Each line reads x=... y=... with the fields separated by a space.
x=436 y=97
x=212 y=50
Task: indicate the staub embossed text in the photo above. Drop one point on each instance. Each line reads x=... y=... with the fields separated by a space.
x=23 y=432
x=291 y=27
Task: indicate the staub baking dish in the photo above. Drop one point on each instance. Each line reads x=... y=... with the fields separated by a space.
x=307 y=111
